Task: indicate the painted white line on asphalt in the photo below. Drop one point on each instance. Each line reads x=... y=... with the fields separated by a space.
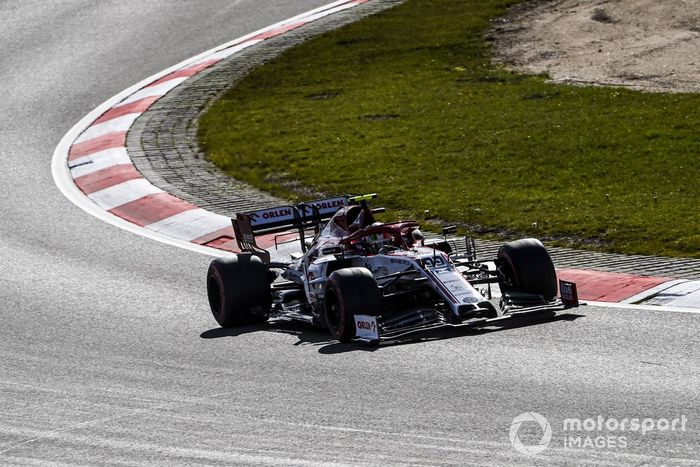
x=157 y=90
x=115 y=125
x=228 y=52
x=323 y=14
x=192 y=224
x=311 y=13
x=59 y=167
x=630 y=306
x=99 y=160
x=123 y=193
x=682 y=295
x=65 y=183
x=649 y=293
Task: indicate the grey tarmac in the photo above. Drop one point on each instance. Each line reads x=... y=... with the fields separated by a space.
x=109 y=355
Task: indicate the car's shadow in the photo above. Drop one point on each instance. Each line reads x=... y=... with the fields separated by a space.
x=308 y=335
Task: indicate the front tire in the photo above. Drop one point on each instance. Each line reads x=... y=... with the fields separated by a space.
x=238 y=288
x=527 y=267
x=350 y=292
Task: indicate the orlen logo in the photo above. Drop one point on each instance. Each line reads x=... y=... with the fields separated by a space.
x=331 y=204
x=366 y=325
x=325 y=206
x=271 y=214
x=277 y=213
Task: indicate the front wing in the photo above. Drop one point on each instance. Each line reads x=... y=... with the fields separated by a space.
x=375 y=329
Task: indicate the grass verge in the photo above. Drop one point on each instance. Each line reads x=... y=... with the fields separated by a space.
x=408 y=104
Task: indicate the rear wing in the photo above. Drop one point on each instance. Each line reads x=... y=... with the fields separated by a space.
x=300 y=217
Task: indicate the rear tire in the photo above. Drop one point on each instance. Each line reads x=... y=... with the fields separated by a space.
x=350 y=292
x=239 y=290
x=528 y=268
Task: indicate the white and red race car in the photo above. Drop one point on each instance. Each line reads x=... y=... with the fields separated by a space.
x=370 y=282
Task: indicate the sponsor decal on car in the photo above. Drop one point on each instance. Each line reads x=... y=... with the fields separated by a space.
x=366 y=327
x=324 y=206
x=272 y=215
x=455 y=286
x=568 y=292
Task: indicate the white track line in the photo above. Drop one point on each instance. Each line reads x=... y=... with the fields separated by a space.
x=228 y=52
x=331 y=11
x=83 y=131
x=647 y=294
x=629 y=306
x=62 y=174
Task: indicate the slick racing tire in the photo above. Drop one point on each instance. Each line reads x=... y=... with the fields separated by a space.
x=239 y=290
x=350 y=292
x=528 y=268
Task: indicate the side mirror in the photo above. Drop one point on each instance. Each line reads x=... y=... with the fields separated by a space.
x=450 y=229
x=418 y=236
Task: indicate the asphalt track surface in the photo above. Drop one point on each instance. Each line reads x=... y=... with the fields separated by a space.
x=108 y=353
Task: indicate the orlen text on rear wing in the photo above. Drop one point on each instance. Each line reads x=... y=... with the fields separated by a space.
x=310 y=214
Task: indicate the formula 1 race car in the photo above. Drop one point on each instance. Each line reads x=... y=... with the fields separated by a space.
x=370 y=282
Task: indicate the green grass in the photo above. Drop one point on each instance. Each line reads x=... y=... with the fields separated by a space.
x=408 y=104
